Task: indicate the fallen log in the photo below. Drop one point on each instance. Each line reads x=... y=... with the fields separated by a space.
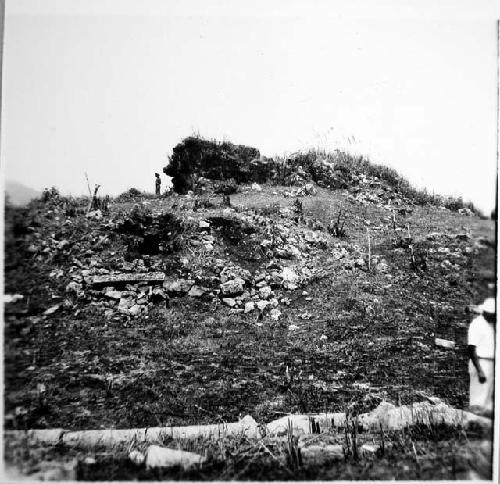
x=386 y=416
x=301 y=424
x=110 y=437
x=247 y=426
x=391 y=417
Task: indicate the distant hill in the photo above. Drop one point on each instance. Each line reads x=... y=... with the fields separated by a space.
x=18 y=193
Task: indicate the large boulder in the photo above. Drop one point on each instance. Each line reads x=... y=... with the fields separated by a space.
x=194 y=157
x=234 y=287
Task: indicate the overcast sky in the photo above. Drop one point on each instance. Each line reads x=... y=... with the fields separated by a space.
x=109 y=87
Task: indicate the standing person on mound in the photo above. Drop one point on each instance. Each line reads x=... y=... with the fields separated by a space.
x=481 y=341
x=157 y=184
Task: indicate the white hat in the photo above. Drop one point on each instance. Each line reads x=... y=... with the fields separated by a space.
x=488 y=306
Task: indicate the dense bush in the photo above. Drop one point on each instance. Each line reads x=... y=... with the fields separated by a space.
x=194 y=157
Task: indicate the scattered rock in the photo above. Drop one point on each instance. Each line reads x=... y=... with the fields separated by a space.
x=158 y=294
x=265 y=292
x=234 y=272
x=137 y=457
x=73 y=287
x=135 y=310
x=249 y=307
x=369 y=449
x=196 y=291
x=178 y=287
x=124 y=304
x=274 y=302
x=262 y=305
x=234 y=287
x=290 y=278
x=52 y=310
x=444 y=343
x=229 y=301
x=275 y=314
x=157 y=456
x=422 y=346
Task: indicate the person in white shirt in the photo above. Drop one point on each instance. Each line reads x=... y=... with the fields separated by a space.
x=481 y=345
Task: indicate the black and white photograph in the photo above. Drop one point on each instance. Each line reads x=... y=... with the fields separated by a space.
x=249 y=240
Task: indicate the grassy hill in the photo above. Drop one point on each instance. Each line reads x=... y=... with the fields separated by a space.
x=266 y=307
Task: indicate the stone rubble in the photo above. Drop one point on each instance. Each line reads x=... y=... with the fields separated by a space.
x=99 y=276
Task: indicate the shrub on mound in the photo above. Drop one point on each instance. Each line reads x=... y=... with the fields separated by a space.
x=194 y=157
x=130 y=195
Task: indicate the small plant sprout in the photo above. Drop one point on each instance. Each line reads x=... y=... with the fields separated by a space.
x=369 y=249
x=337 y=228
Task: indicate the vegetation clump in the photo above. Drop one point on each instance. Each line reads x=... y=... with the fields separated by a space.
x=341 y=170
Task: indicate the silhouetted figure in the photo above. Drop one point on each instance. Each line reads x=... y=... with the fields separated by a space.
x=157 y=183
